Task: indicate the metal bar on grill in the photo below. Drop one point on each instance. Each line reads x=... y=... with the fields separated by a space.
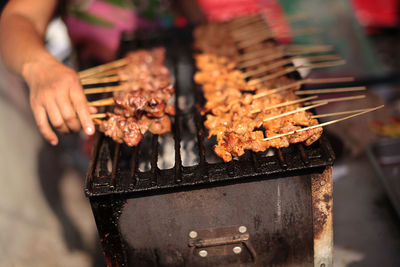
x=177 y=129
x=154 y=158
x=254 y=160
x=178 y=159
x=281 y=158
x=114 y=172
x=303 y=154
x=134 y=160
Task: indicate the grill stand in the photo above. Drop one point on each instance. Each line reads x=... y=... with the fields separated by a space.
x=322 y=203
x=109 y=208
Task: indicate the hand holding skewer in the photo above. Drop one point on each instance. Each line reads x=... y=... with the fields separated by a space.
x=57 y=98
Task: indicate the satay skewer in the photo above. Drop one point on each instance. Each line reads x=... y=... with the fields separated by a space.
x=237 y=24
x=102 y=102
x=288 y=50
x=287 y=61
x=331 y=90
x=112 y=72
x=97 y=121
x=294 y=111
x=338 y=113
x=336 y=99
x=98 y=116
x=275 y=55
x=323 y=124
x=294 y=68
x=269 y=35
x=114 y=64
x=107 y=89
x=287 y=103
x=240 y=35
x=110 y=79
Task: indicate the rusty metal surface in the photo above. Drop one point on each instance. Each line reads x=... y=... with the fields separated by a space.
x=322 y=202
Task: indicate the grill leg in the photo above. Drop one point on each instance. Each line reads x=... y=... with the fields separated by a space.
x=321 y=188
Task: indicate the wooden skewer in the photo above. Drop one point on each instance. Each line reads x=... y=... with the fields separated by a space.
x=294 y=68
x=331 y=90
x=337 y=99
x=103 y=74
x=323 y=124
x=257 y=39
x=254 y=33
x=102 y=102
x=245 y=22
x=275 y=55
x=115 y=64
x=295 y=111
x=287 y=103
x=98 y=116
x=249 y=17
x=109 y=79
x=97 y=121
x=269 y=35
x=285 y=61
x=338 y=113
x=251 y=31
x=305 y=81
x=286 y=50
x=278 y=89
x=107 y=89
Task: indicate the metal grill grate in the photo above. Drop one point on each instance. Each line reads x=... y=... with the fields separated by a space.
x=116 y=168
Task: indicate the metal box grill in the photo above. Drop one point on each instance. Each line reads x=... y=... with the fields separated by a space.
x=147 y=200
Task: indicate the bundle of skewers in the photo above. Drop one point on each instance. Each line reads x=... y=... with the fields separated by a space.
x=251 y=102
x=140 y=101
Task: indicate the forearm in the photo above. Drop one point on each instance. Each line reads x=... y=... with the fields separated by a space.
x=55 y=91
x=21 y=43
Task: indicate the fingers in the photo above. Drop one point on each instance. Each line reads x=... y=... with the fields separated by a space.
x=55 y=117
x=93 y=110
x=67 y=111
x=81 y=106
x=41 y=120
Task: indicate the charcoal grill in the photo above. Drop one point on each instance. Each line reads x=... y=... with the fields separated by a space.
x=171 y=202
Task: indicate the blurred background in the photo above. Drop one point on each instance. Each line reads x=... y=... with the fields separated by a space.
x=45 y=219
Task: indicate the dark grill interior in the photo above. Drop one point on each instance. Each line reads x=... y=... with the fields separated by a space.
x=184 y=158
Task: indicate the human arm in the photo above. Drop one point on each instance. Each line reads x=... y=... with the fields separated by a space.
x=55 y=90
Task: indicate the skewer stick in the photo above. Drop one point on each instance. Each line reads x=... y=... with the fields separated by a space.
x=337 y=99
x=305 y=81
x=98 y=116
x=255 y=40
x=102 y=102
x=114 y=64
x=295 y=111
x=285 y=61
x=287 y=103
x=245 y=22
x=242 y=34
x=109 y=79
x=323 y=124
x=107 y=89
x=249 y=17
x=104 y=74
x=331 y=90
x=294 y=68
x=269 y=35
x=290 y=49
x=338 y=113
x=276 y=55
x=97 y=121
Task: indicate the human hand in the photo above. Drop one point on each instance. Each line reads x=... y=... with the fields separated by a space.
x=56 y=95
